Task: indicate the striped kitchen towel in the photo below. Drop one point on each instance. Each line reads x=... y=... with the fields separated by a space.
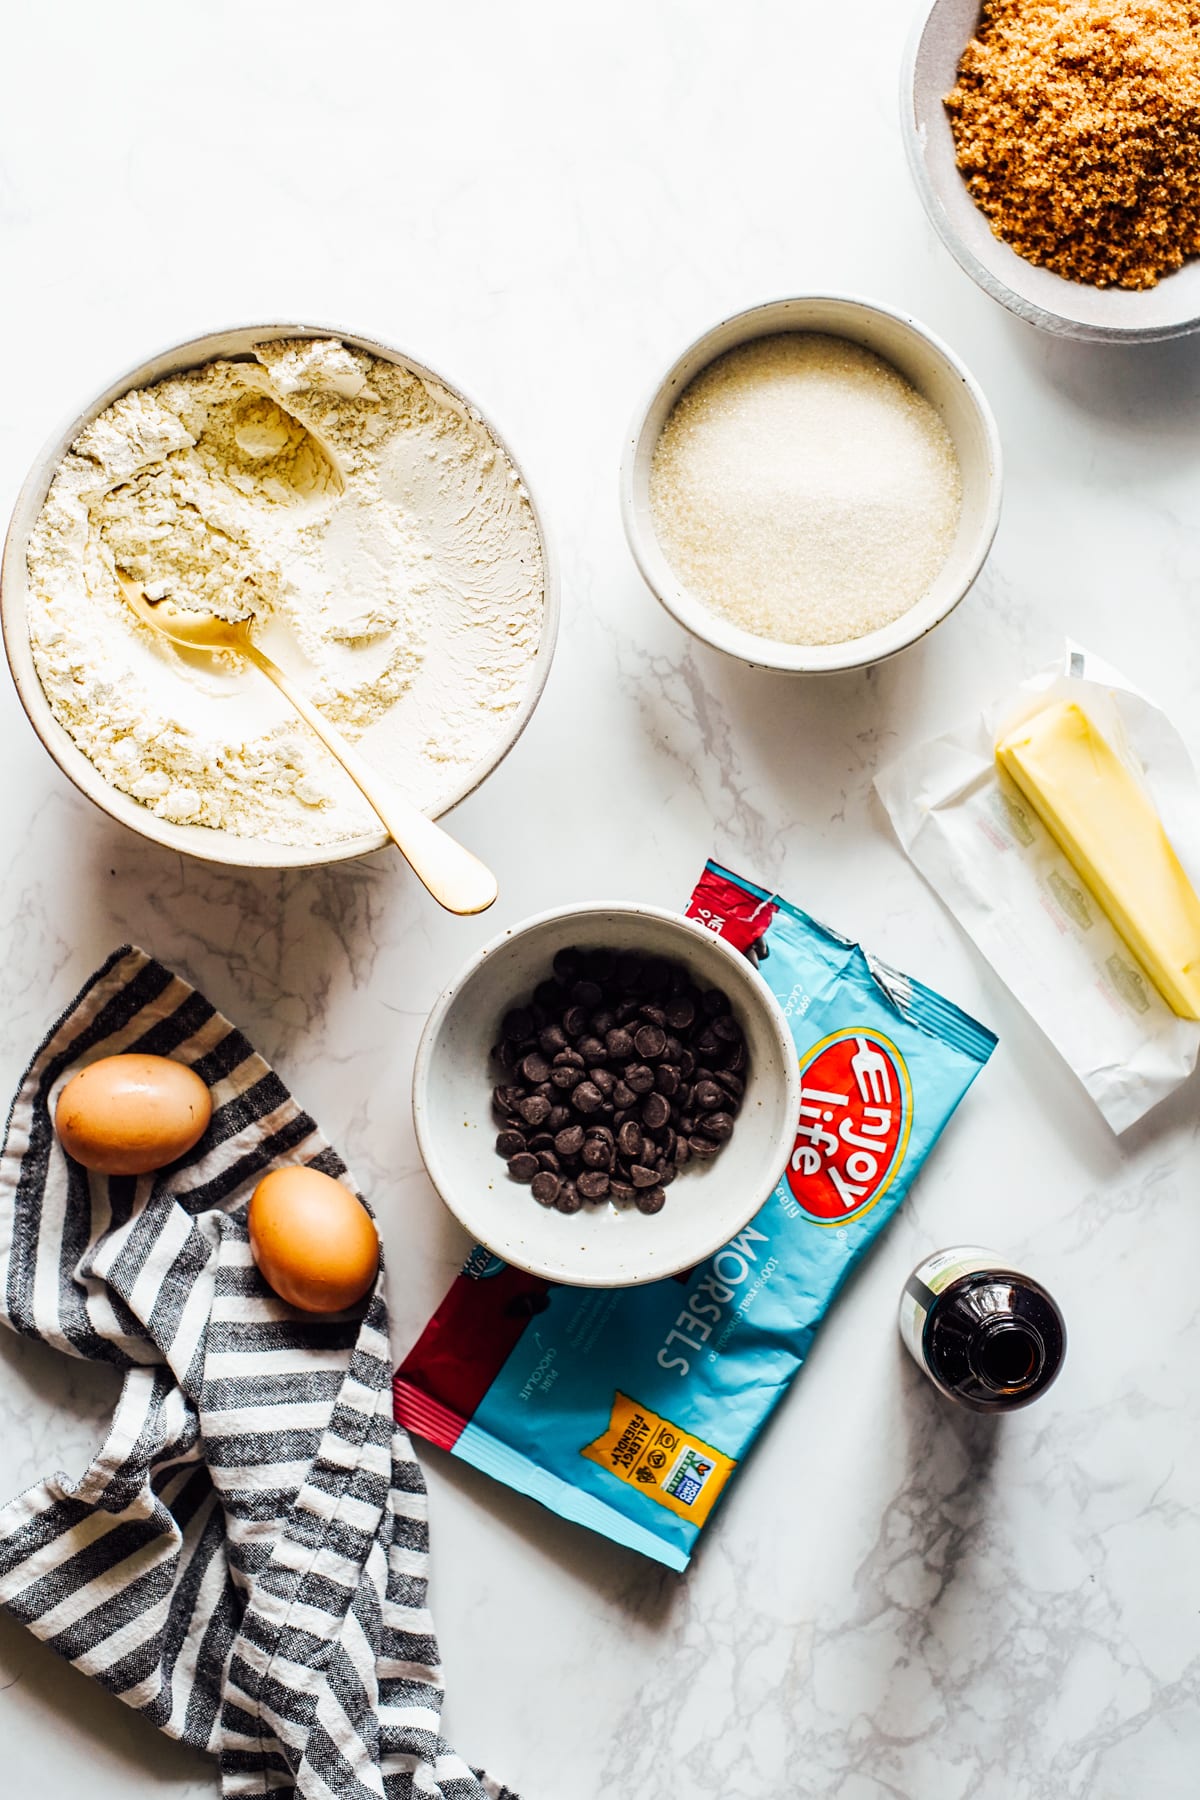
x=246 y=1560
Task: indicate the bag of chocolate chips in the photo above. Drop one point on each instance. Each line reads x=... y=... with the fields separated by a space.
x=629 y=1409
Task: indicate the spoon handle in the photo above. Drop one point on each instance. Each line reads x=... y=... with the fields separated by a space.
x=455 y=878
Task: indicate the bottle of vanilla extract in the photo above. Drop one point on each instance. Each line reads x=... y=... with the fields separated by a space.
x=985 y=1334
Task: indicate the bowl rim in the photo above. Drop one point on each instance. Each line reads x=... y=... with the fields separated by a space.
x=206 y=843
x=768 y=653
x=424 y=1075
x=1033 y=312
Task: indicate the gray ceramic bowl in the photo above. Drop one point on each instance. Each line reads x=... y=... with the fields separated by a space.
x=200 y=840
x=1067 y=308
x=601 y=1246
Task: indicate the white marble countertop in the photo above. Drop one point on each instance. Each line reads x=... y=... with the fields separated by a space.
x=547 y=202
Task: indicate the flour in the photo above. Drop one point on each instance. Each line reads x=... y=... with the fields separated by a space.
x=372 y=524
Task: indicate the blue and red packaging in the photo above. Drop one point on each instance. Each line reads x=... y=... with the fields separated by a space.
x=629 y=1410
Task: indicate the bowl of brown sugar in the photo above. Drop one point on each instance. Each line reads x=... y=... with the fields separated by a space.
x=1055 y=145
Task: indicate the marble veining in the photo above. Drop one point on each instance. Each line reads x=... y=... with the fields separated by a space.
x=896 y=1602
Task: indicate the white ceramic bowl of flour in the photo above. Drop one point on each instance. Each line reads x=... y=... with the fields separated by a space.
x=432 y=705
x=938 y=377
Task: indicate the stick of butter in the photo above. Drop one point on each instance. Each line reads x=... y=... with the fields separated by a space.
x=1110 y=831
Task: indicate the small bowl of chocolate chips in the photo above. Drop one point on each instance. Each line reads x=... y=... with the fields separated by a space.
x=606 y=1095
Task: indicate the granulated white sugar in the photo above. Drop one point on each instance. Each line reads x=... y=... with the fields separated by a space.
x=804 y=489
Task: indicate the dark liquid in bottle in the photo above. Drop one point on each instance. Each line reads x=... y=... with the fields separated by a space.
x=989 y=1337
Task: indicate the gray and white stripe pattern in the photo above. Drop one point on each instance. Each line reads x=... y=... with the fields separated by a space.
x=246 y=1560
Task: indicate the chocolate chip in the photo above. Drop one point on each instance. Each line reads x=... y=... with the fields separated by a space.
x=569 y=1059
x=593 y=1184
x=717 y=1125
x=605 y=1080
x=655 y=1111
x=523 y=1166
x=683 y=1152
x=708 y=1043
x=565 y=1077
x=629 y=1139
x=587 y=994
x=639 y=1078
x=587 y=1097
x=568 y=1200
x=733 y=1084
x=650 y=1200
x=569 y=1141
x=560 y=1118
x=535 y=1068
x=736 y=1059
x=666 y=1079
x=548 y=1160
x=709 y=1096
x=681 y=1013
x=552 y=1040
x=702 y=1146
x=506 y=1099
x=727 y=1029
x=623 y=1094
x=542 y=1140
x=620 y=1190
x=567 y=964
x=575 y=1021
x=642 y=1176
x=545 y=1188
x=714 y=1002
x=687 y=1064
x=666 y=1173
x=596 y=1153
x=535 y=1110
x=653 y=1015
x=510 y=1143
x=650 y=1041
x=592 y=1049
x=619 y=1044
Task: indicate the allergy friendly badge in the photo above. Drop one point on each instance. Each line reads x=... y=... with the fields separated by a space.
x=671 y=1466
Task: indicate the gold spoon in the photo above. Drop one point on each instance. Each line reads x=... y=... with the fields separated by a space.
x=455 y=878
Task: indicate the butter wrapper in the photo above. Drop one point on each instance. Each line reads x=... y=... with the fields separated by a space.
x=987 y=855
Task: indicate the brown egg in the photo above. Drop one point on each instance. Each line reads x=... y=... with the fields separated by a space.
x=126 y=1115
x=314 y=1242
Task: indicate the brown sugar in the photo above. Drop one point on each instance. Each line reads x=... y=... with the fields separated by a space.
x=1077 y=129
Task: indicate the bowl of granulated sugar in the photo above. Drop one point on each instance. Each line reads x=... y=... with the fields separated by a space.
x=814 y=485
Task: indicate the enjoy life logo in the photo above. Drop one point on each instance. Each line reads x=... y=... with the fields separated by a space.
x=855 y=1117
